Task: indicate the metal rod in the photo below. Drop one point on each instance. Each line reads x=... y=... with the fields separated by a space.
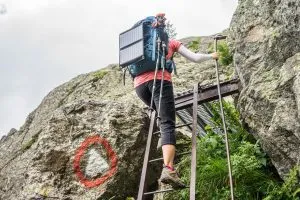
x=201 y=123
x=159 y=191
x=157 y=132
x=194 y=145
x=205 y=89
x=209 y=94
x=162 y=81
x=180 y=154
x=155 y=74
x=146 y=158
x=224 y=125
x=183 y=120
x=183 y=125
x=178 y=126
x=162 y=191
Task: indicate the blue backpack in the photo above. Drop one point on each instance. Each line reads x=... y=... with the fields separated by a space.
x=150 y=48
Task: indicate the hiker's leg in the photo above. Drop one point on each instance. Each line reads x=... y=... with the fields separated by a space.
x=167 y=114
x=144 y=93
x=168 y=155
x=167 y=122
x=167 y=128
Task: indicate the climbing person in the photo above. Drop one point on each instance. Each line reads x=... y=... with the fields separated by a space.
x=143 y=84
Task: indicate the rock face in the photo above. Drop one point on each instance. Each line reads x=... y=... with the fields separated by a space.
x=80 y=143
x=86 y=139
x=265 y=38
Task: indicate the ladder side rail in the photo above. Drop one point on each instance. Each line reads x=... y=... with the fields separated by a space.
x=194 y=145
x=146 y=158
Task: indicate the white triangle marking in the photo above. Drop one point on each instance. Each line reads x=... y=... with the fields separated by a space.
x=96 y=164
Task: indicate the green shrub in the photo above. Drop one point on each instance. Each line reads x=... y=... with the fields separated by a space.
x=28 y=144
x=252 y=177
x=100 y=74
x=290 y=190
x=224 y=53
x=195 y=44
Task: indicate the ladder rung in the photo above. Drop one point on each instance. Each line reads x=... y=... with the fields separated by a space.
x=183 y=125
x=157 y=132
x=178 y=126
x=180 y=154
x=162 y=191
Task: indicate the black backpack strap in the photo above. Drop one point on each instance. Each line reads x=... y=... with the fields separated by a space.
x=173 y=64
x=124 y=73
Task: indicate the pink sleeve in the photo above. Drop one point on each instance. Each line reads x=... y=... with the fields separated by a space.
x=174 y=45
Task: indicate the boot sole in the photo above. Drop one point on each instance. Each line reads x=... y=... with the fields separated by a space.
x=175 y=185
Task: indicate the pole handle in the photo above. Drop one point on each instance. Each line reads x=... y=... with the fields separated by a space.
x=220 y=37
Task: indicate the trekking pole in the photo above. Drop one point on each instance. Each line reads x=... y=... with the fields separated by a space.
x=216 y=38
x=162 y=80
x=155 y=76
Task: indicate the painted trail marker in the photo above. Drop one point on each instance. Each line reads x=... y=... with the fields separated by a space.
x=96 y=164
x=106 y=166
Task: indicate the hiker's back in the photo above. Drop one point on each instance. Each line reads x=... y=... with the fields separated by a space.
x=153 y=35
x=144 y=46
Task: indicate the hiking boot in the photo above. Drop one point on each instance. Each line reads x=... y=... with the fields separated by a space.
x=170 y=177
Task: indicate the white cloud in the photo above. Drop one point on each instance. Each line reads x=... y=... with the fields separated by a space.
x=21 y=7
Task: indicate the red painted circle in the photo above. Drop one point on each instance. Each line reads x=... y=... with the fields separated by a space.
x=110 y=154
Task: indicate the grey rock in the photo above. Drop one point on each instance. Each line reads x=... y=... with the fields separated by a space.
x=3 y=138
x=11 y=132
x=265 y=40
x=41 y=159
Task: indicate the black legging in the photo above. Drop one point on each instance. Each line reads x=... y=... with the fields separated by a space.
x=167 y=107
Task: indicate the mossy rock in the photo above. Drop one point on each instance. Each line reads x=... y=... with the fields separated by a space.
x=100 y=74
x=28 y=144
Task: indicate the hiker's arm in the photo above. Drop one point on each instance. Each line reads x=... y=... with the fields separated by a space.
x=195 y=57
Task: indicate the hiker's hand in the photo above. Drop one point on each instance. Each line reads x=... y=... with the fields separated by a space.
x=215 y=55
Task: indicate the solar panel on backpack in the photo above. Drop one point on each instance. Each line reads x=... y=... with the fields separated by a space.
x=131 y=46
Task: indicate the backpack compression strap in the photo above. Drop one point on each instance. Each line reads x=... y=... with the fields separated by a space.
x=154 y=43
x=159 y=22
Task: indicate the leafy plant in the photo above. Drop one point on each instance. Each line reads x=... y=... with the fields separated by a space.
x=28 y=144
x=171 y=30
x=252 y=177
x=195 y=44
x=290 y=190
x=225 y=57
x=100 y=74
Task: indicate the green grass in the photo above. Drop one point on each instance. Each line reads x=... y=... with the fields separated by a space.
x=225 y=57
x=195 y=44
x=290 y=190
x=254 y=176
x=28 y=144
x=100 y=74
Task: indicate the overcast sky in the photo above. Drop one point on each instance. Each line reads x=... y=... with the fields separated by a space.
x=44 y=43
